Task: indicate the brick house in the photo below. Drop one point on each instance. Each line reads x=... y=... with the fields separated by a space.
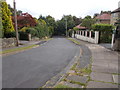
x=103 y=18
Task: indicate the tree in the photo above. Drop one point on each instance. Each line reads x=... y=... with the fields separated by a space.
x=77 y=20
x=1 y=31
x=25 y=20
x=42 y=29
x=42 y=17
x=19 y=12
x=88 y=22
x=6 y=18
x=61 y=24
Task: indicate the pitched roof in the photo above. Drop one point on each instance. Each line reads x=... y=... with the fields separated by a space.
x=80 y=27
x=117 y=10
x=103 y=16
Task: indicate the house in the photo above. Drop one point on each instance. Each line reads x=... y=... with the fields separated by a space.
x=103 y=17
x=114 y=16
x=80 y=27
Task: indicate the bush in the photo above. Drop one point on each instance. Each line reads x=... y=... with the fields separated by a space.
x=31 y=31
x=24 y=29
x=10 y=34
x=42 y=31
x=102 y=27
x=70 y=31
x=23 y=35
x=27 y=30
x=105 y=31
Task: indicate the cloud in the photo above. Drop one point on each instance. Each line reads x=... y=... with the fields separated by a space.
x=58 y=8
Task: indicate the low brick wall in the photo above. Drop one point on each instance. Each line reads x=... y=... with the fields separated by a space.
x=7 y=42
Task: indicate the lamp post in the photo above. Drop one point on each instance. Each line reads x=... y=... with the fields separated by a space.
x=66 y=26
x=16 y=28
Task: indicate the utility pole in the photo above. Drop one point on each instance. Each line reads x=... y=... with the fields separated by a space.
x=66 y=26
x=16 y=28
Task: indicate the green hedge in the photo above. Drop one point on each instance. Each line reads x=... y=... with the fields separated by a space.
x=105 y=32
x=31 y=31
x=10 y=34
x=102 y=27
x=23 y=35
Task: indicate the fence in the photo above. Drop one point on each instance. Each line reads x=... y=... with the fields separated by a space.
x=90 y=36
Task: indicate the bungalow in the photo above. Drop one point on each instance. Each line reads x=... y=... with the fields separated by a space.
x=80 y=27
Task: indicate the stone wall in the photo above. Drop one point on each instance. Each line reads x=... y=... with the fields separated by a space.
x=7 y=42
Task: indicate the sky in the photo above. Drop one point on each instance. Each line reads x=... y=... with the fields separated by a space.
x=58 y=8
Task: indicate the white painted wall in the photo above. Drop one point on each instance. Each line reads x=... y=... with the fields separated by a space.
x=88 y=38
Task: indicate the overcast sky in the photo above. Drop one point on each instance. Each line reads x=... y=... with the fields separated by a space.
x=58 y=8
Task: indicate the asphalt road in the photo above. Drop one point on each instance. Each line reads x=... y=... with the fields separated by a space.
x=32 y=68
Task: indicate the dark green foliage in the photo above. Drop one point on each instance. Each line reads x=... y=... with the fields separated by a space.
x=105 y=32
x=102 y=27
x=42 y=31
x=10 y=34
x=70 y=31
x=23 y=35
x=88 y=22
x=31 y=31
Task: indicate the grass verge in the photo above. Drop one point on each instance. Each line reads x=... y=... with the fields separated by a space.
x=79 y=83
x=74 y=41
x=17 y=49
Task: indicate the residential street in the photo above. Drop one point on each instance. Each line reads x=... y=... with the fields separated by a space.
x=32 y=68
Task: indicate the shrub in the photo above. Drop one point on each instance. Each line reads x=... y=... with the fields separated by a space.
x=75 y=28
x=102 y=27
x=23 y=35
x=105 y=31
x=31 y=31
x=10 y=34
x=24 y=29
x=28 y=30
x=70 y=31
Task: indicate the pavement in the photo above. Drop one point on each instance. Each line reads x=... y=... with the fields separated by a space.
x=99 y=71
x=34 y=67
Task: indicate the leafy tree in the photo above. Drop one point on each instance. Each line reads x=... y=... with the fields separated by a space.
x=77 y=20
x=42 y=29
x=42 y=17
x=25 y=20
x=61 y=24
x=88 y=22
x=1 y=31
x=60 y=27
x=6 y=18
x=19 y=12
x=70 y=21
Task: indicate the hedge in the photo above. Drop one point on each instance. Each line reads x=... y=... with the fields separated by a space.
x=105 y=32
